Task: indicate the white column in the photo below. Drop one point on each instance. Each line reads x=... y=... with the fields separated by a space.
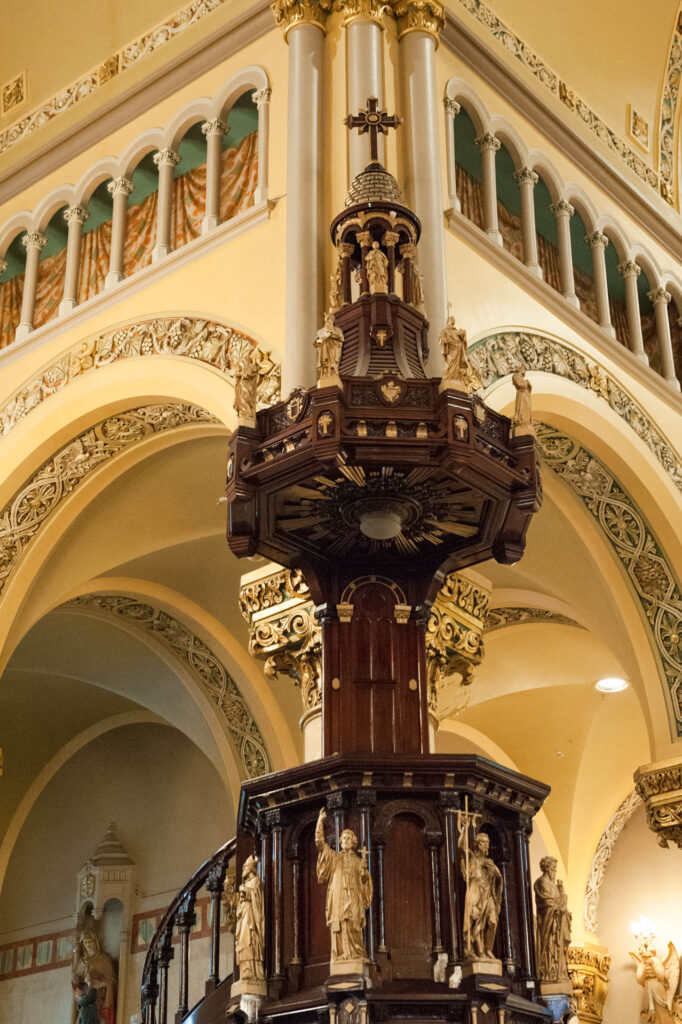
x=34 y=243
x=630 y=271
x=119 y=190
x=563 y=212
x=214 y=131
x=166 y=160
x=418 y=37
x=262 y=100
x=489 y=145
x=527 y=179
x=660 y=298
x=452 y=109
x=364 y=75
x=75 y=217
x=306 y=243
x=597 y=243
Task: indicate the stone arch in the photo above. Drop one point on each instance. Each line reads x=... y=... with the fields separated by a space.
x=192 y=113
x=65 y=195
x=544 y=168
x=462 y=92
x=252 y=77
x=103 y=170
x=148 y=142
x=20 y=223
x=510 y=138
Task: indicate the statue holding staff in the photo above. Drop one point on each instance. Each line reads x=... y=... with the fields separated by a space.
x=349 y=894
x=483 y=896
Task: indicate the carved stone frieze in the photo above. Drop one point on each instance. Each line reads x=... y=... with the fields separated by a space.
x=454 y=634
x=204 y=665
x=660 y=787
x=37 y=499
x=589 y=973
x=204 y=341
x=283 y=629
x=498 y=618
x=601 y=858
x=668 y=116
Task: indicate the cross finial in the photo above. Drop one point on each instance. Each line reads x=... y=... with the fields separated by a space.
x=374 y=121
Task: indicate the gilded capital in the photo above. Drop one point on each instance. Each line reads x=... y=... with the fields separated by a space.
x=214 y=127
x=562 y=209
x=660 y=787
x=597 y=240
x=525 y=176
x=588 y=969
x=261 y=96
x=120 y=186
x=454 y=634
x=77 y=213
x=166 y=158
x=362 y=10
x=451 y=106
x=657 y=295
x=34 y=240
x=290 y=13
x=487 y=141
x=419 y=16
x=629 y=269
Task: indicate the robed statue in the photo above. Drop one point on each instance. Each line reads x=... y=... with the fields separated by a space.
x=245 y=390
x=94 y=971
x=457 y=370
x=553 y=927
x=329 y=343
x=483 y=896
x=522 y=421
x=659 y=979
x=349 y=894
x=249 y=932
x=376 y=266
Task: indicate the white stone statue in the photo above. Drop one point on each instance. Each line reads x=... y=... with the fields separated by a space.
x=93 y=970
x=659 y=979
x=522 y=422
x=245 y=391
x=249 y=932
x=553 y=929
x=349 y=894
x=483 y=892
x=329 y=343
x=376 y=265
x=458 y=372
x=336 y=289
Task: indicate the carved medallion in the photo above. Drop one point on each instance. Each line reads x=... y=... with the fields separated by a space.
x=295 y=407
x=392 y=389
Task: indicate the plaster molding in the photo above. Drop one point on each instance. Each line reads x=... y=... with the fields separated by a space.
x=614 y=176
x=498 y=618
x=668 y=116
x=601 y=857
x=652 y=579
x=185 y=337
x=204 y=666
x=30 y=507
x=660 y=787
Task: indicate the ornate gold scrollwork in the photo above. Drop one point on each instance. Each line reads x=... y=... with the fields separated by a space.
x=660 y=787
x=454 y=634
x=289 y=13
x=419 y=16
x=589 y=971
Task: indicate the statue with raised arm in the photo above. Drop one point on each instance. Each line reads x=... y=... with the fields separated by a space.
x=349 y=894
x=483 y=896
x=376 y=265
x=458 y=372
x=328 y=342
x=553 y=929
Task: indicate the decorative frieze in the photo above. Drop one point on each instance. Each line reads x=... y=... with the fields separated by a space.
x=289 y=13
x=601 y=858
x=660 y=787
x=498 y=618
x=668 y=116
x=589 y=972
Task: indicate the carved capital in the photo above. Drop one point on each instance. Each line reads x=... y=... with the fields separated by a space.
x=3 y=265
x=120 y=186
x=454 y=634
x=629 y=269
x=589 y=973
x=660 y=787
x=365 y=10
x=597 y=240
x=77 y=213
x=657 y=295
x=419 y=16
x=390 y=238
x=345 y=249
x=214 y=127
x=408 y=250
x=451 y=106
x=166 y=158
x=525 y=176
x=487 y=141
x=562 y=209
x=290 y=13
x=34 y=240
x=261 y=96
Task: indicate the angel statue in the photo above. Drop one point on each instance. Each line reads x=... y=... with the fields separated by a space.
x=659 y=979
x=458 y=372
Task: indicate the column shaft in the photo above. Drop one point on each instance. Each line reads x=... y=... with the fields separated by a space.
x=597 y=243
x=120 y=189
x=364 y=75
x=660 y=298
x=262 y=101
x=214 y=132
x=304 y=250
x=75 y=217
x=424 y=185
x=166 y=160
x=33 y=243
x=563 y=212
x=630 y=271
x=452 y=109
x=489 y=145
x=527 y=180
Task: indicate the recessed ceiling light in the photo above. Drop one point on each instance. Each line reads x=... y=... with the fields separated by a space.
x=611 y=684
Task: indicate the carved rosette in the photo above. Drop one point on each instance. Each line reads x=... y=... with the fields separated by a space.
x=419 y=16
x=290 y=13
x=660 y=787
x=284 y=631
x=589 y=972
x=454 y=634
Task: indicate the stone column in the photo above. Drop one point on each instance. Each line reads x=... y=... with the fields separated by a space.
x=630 y=271
x=75 y=217
x=660 y=299
x=304 y=27
x=452 y=109
x=563 y=211
x=214 y=131
x=166 y=160
x=34 y=243
x=489 y=145
x=262 y=100
x=364 y=72
x=119 y=189
x=597 y=243
x=418 y=29
x=527 y=180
